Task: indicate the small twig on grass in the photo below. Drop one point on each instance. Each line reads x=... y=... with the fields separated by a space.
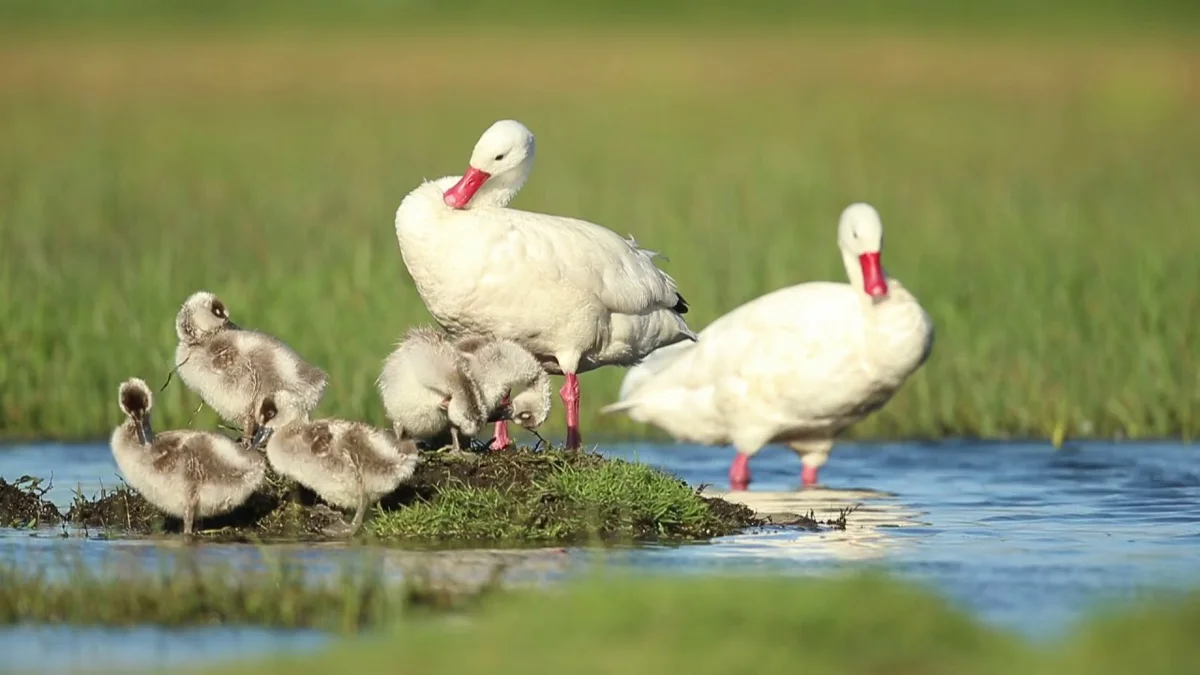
x=194 y=413
x=170 y=373
x=541 y=441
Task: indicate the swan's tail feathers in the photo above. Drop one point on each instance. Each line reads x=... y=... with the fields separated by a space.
x=650 y=365
x=619 y=406
x=645 y=251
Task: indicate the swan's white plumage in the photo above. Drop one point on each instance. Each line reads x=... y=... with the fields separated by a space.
x=797 y=365
x=564 y=288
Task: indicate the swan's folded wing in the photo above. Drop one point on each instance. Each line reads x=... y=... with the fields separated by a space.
x=788 y=342
x=797 y=350
x=587 y=256
x=652 y=365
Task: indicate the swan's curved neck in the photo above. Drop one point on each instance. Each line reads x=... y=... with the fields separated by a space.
x=502 y=188
x=853 y=270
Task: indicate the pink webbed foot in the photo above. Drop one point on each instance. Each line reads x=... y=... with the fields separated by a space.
x=808 y=476
x=739 y=472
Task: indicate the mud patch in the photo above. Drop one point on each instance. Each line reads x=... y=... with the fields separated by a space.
x=279 y=509
x=519 y=497
x=22 y=504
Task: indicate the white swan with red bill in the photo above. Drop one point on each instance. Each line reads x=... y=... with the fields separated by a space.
x=798 y=365
x=578 y=296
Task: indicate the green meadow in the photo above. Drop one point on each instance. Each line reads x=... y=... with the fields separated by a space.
x=608 y=623
x=756 y=625
x=620 y=625
x=1036 y=176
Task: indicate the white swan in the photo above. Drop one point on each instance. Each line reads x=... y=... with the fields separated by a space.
x=575 y=294
x=797 y=366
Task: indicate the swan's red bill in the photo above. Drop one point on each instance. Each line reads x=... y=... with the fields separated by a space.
x=872 y=270
x=461 y=193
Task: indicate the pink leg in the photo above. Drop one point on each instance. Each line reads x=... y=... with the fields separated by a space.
x=808 y=476
x=501 y=441
x=739 y=472
x=570 y=398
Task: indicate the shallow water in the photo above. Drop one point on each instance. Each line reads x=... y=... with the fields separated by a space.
x=1025 y=536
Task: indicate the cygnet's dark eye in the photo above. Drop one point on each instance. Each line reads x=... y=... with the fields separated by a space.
x=218 y=310
x=499 y=157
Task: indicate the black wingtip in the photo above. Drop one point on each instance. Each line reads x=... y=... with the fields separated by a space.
x=680 y=307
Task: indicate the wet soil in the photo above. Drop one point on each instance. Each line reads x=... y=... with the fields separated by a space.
x=283 y=510
x=22 y=504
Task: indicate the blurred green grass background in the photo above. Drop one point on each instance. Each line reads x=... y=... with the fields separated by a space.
x=606 y=621
x=1118 y=16
x=723 y=625
x=1034 y=165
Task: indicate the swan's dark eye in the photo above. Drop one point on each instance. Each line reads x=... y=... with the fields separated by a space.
x=218 y=309
x=499 y=157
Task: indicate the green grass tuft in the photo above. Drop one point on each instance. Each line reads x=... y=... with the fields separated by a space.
x=558 y=496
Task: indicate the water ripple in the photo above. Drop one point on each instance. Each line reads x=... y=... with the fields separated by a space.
x=1025 y=535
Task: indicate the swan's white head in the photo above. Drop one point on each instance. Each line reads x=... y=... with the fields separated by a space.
x=860 y=234
x=503 y=154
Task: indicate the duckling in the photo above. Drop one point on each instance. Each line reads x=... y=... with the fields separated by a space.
x=188 y=474
x=427 y=388
x=501 y=366
x=231 y=367
x=351 y=465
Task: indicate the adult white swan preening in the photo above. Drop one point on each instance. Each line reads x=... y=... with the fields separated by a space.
x=575 y=294
x=797 y=366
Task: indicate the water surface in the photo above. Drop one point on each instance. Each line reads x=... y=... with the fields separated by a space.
x=1024 y=536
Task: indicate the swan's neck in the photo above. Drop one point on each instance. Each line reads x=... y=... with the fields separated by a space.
x=502 y=188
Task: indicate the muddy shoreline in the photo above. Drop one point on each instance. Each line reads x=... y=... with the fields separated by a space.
x=518 y=497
